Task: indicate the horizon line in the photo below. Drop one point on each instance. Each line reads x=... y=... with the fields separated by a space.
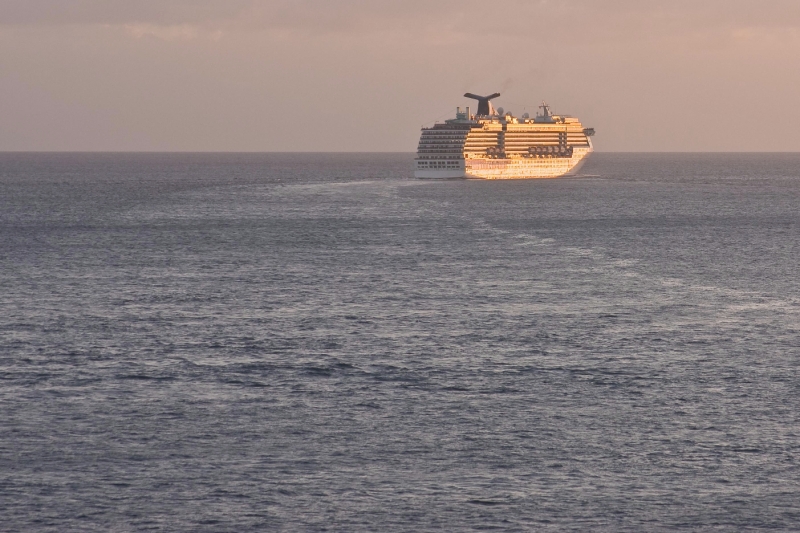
x=364 y=152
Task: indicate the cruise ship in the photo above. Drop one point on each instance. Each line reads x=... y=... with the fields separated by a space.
x=492 y=144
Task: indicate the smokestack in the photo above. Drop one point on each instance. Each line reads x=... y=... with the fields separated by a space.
x=484 y=106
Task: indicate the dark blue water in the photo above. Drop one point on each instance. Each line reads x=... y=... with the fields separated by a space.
x=319 y=343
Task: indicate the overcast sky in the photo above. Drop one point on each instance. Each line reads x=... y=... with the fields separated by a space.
x=358 y=75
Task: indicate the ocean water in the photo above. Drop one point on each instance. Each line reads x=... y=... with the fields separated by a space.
x=318 y=342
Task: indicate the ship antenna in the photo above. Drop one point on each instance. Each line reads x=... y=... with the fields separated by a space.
x=545 y=109
x=484 y=106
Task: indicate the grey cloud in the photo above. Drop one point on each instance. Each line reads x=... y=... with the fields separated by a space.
x=56 y=12
x=454 y=15
x=217 y=74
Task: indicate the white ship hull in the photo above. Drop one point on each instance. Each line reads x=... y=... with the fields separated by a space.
x=510 y=169
x=439 y=174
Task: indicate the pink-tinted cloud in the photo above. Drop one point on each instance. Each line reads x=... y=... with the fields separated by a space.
x=363 y=75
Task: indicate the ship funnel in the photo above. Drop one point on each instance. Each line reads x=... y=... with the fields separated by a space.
x=484 y=105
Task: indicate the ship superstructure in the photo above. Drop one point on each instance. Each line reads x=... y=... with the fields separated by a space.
x=492 y=144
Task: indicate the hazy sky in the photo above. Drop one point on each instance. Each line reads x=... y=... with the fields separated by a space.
x=357 y=75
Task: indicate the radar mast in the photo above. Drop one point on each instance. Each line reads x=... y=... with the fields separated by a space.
x=545 y=116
